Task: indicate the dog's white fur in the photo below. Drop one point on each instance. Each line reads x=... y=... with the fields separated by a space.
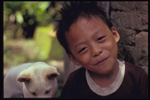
x=31 y=80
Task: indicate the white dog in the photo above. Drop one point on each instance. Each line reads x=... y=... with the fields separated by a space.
x=31 y=80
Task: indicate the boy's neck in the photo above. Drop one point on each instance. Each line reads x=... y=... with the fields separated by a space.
x=105 y=80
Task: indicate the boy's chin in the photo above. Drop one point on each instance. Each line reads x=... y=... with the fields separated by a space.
x=105 y=71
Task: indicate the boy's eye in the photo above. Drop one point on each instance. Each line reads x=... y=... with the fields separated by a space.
x=100 y=38
x=81 y=50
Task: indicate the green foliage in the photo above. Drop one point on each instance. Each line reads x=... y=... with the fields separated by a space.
x=56 y=50
x=43 y=41
x=47 y=44
x=24 y=14
x=19 y=17
x=43 y=47
x=36 y=9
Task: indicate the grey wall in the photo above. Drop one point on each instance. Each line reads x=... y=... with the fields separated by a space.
x=131 y=21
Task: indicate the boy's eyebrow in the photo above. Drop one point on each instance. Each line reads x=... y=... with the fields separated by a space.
x=80 y=43
x=94 y=34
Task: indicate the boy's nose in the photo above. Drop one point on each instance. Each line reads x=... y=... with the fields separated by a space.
x=96 y=50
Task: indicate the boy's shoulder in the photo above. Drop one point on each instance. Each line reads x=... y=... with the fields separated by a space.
x=137 y=79
x=134 y=72
x=74 y=81
x=79 y=72
x=133 y=68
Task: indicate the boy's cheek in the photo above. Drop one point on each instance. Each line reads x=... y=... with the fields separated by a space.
x=74 y=59
x=84 y=59
x=109 y=44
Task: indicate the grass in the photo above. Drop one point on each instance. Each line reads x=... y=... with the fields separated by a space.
x=19 y=51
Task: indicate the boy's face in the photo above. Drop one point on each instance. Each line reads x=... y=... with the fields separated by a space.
x=93 y=45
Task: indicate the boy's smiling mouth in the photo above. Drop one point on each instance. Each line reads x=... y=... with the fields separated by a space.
x=101 y=62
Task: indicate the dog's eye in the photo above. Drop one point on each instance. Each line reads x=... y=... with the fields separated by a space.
x=47 y=91
x=33 y=93
x=51 y=76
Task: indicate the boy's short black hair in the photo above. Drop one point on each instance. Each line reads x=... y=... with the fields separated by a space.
x=70 y=13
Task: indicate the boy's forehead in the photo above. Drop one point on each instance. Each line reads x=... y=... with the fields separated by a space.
x=89 y=18
x=86 y=25
x=83 y=21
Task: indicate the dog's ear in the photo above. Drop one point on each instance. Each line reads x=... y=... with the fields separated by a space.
x=50 y=72
x=52 y=75
x=23 y=79
x=24 y=76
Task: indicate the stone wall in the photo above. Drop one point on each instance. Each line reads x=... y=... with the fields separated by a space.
x=131 y=21
x=130 y=18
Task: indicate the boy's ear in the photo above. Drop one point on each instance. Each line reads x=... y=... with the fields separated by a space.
x=73 y=59
x=115 y=34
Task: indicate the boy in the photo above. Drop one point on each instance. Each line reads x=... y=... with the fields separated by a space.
x=90 y=40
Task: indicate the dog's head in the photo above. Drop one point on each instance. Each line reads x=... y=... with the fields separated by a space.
x=39 y=80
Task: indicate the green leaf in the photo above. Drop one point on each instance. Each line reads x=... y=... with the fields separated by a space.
x=19 y=17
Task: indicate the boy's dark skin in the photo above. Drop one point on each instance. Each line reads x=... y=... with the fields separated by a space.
x=93 y=45
x=90 y=40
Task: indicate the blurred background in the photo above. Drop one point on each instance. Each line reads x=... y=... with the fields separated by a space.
x=29 y=34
